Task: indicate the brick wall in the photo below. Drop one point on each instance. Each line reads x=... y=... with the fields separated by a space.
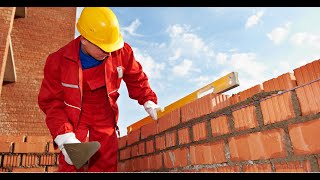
x=271 y=127
x=27 y=154
x=6 y=21
x=42 y=31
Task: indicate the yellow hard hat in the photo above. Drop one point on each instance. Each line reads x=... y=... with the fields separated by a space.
x=100 y=26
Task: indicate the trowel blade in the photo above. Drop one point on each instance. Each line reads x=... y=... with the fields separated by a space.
x=80 y=153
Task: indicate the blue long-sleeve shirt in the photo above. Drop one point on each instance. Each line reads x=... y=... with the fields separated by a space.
x=88 y=61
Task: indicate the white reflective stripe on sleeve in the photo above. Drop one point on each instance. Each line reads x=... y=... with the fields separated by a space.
x=72 y=106
x=70 y=85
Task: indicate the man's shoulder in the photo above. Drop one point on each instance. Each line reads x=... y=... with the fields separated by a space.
x=63 y=51
x=126 y=47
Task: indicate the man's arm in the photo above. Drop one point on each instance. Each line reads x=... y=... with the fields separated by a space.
x=51 y=101
x=136 y=80
x=138 y=85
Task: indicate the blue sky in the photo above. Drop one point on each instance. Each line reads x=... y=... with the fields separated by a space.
x=184 y=48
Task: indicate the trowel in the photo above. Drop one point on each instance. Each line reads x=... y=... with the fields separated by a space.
x=80 y=153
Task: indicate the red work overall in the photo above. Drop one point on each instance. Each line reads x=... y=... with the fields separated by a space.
x=98 y=119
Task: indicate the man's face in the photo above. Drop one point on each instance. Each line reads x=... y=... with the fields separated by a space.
x=93 y=50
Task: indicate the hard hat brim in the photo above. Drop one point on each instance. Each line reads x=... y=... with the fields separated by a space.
x=112 y=47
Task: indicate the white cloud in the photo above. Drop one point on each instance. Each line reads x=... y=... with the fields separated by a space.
x=162 y=45
x=183 y=68
x=221 y=58
x=254 y=19
x=150 y=67
x=132 y=28
x=176 y=55
x=279 y=34
x=191 y=45
x=234 y=50
x=282 y=67
x=250 y=71
x=201 y=81
x=247 y=64
x=177 y=29
x=303 y=59
x=305 y=38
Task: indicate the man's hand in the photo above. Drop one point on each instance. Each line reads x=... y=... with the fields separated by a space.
x=152 y=108
x=67 y=138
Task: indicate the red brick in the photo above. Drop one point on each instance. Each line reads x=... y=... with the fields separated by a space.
x=277 y=108
x=200 y=131
x=257 y=168
x=12 y=138
x=176 y=158
x=122 y=141
x=150 y=146
x=144 y=163
x=226 y=169
x=141 y=148
x=129 y=165
x=171 y=139
x=36 y=139
x=219 y=126
x=260 y=145
x=308 y=72
x=245 y=118
x=183 y=135
x=134 y=151
x=51 y=148
x=234 y=99
x=125 y=166
x=25 y=147
x=5 y=147
x=283 y=82
x=296 y=166
x=4 y=169
x=208 y=153
x=185 y=170
x=47 y=159
x=155 y=161
x=160 y=142
x=121 y=167
x=28 y=169
x=287 y=81
x=138 y=164
x=197 y=108
x=12 y=160
x=219 y=102
x=149 y=130
x=29 y=160
x=169 y=120
x=250 y=92
x=133 y=137
x=52 y=168
x=125 y=153
x=138 y=149
x=304 y=137
x=309 y=98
